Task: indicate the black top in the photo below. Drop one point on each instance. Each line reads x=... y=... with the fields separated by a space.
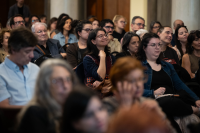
x=20 y=9
x=170 y=56
x=118 y=36
x=162 y=79
x=36 y=120
x=46 y=50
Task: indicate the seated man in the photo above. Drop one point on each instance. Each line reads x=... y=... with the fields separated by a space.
x=17 y=73
x=17 y=21
x=45 y=45
x=137 y=23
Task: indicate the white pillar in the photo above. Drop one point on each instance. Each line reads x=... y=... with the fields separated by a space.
x=187 y=11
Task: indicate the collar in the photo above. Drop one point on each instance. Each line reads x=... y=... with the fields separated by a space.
x=12 y=65
x=161 y=61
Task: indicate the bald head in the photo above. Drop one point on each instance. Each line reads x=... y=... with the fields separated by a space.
x=177 y=23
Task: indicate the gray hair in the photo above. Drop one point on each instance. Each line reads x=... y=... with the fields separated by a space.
x=42 y=96
x=36 y=24
x=141 y=31
x=136 y=17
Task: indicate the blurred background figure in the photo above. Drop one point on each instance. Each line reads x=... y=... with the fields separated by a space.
x=94 y=21
x=32 y=20
x=154 y=26
x=141 y=33
x=43 y=18
x=51 y=26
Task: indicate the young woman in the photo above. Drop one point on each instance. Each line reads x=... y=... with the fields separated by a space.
x=51 y=26
x=84 y=112
x=76 y=51
x=94 y=21
x=119 y=24
x=65 y=35
x=130 y=44
x=32 y=20
x=4 y=36
x=55 y=80
x=190 y=61
x=154 y=26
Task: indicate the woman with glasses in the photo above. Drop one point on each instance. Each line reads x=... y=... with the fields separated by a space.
x=163 y=82
x=119 y=24
x=55 y=81
x=98 y=60
x=154 y=26
x=32 y=20
x=190 y=60
x=130 y=44
x=76 y=51
x=65 y=36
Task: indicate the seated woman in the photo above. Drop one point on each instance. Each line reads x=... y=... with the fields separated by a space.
x=119 y=24
x=88 y=116
x=191 y=59
x=51 y=26
x=76 y=51
x=94 y=21
x=163 y=79
x=130 y=44
x=55 y=80
x=65 y=35
x=4 y=36
x=98 y=60
x=154 y=26
x=32 y=20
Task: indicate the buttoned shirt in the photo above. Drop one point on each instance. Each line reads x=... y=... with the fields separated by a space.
x=61 y=38
x=16 y=86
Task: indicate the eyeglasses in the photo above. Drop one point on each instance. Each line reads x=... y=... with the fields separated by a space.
x=140 y=24
x=19 y=22
x=156 y=27
x=88 y=30
x=108 y=27
x=155 y=45
x=101 y=36
x=123 y=22
x=61 y=81
x=40 y=31
x=35 y=20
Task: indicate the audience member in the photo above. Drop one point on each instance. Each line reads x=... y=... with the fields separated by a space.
x=154 y=26
x=167 y=54
x=51 y=26
x=98 y=60
x=54 y=83
x=87 y=116
x=65 y=35
x=17 y=21
x=130 y=44
x=17 y=73
x=191 y=59
x=19 y=8
x=4 y=36
x=137 y=23
x=119 y=24
x=43 y=18
x=32 y=20
x=141 y=33
x=45 y=45
x=94 y=21
x=8 y=24
x=114 y=44
x=76 y=51
x=163 y=81
x=176 y=24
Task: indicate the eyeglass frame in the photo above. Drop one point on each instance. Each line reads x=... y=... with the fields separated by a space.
x=140 y=24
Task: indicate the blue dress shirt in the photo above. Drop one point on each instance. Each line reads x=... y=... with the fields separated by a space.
x=16 y=86
x=61 y=38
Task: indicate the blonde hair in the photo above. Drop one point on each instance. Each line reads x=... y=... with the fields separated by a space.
x=117 y=17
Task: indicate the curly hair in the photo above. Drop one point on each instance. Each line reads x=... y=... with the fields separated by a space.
x=80 y=27
x=190 y=39
x=62 y=23
x=3 y=31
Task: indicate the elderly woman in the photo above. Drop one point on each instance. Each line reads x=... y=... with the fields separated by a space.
x=55 y=80
x=163 y=82
x=4 y=36
x=141 y=33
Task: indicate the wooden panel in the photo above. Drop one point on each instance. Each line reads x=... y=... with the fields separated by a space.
x=4 y=7
x=151 y=12
x=110 y=9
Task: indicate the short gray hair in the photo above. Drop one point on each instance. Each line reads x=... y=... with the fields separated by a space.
x=36 y=24
x=141 y=31
x=136 y=17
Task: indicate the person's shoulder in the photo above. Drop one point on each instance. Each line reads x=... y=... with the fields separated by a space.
x=185 y=57
x=54 y=41
x=13 y=6
x=36 y=110
x=72 y=47
x=72 y=35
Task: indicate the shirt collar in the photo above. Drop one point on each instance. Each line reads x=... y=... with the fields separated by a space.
x=12 y=65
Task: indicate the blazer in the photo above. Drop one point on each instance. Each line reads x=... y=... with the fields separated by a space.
x=14 y=10
x=54 y=47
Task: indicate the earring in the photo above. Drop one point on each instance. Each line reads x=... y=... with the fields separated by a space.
x=192 y=47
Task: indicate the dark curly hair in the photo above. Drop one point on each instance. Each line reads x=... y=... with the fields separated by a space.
x=152 y=24
x=80 y=26
x=192 y=36
x=62 y=23
x=60 y=18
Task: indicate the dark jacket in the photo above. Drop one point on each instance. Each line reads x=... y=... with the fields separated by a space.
x=14 y=10
x=54 y=47
x=176 y=82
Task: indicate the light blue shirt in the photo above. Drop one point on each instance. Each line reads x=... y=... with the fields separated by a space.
x=61 y=38
x=16 y=86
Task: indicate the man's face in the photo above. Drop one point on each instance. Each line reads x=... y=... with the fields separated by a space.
x=20 y=2
x=108 y=28
x=41 y=33
x=166 y=35
x=18 y=21
x=139 y=24
x=178 y=23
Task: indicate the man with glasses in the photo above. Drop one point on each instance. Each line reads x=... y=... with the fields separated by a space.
x=17 y=21
x=137 y=23
x=45 y=45
x=108 y=26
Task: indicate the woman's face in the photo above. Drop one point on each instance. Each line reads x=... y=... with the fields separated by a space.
x=53 y=25
x=101 y=39
x=133 y=45
x=121 y=23
x=196 y=44
x=5 y=39
x=153 y=49
x=95 y=24
x=182 y=35
x=67 y=25
x=95 y=118
x=34 y=20
x=156 y=26
x=61 y=84
x=136 y=78
x=85 y=31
